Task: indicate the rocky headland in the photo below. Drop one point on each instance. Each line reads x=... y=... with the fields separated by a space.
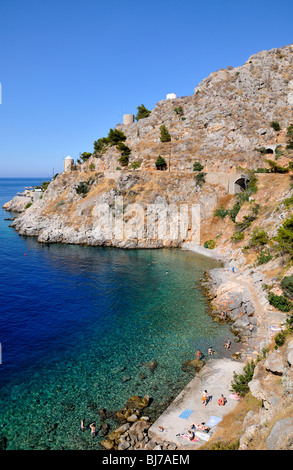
x=237 y=128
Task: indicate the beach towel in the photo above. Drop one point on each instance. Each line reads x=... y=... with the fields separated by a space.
x=202 y=435
x=185 y=414
x=213 y=420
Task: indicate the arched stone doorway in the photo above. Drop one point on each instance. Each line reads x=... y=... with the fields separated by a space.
x=269 y=150
x=240 y=184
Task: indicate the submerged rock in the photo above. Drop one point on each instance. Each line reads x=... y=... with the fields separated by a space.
x=193 y=366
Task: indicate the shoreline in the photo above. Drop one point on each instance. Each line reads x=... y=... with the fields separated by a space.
x=216 y=375
x=218 y=282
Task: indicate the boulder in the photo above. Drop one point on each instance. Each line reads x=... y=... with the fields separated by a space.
x=275 y=363
x=192 y=366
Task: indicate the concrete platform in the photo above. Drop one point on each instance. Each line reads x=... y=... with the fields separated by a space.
x=215 y=377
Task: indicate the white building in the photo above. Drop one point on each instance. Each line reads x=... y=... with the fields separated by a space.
x=68 y=163
x=171 y=96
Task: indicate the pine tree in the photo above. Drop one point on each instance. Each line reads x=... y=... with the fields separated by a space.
x=142 y=112
x=240 y=382
x=160 y=163
x=164 y=134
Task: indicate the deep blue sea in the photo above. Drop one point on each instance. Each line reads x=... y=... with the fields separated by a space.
x=78 y=325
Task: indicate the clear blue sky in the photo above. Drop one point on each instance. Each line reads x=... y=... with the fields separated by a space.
x=70 y=69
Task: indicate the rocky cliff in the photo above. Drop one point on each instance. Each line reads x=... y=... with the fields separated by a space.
x=236 y=121
x=225 y=121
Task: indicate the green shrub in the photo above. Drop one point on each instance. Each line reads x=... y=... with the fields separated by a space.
x=197 y=166
x=45 y=185
x=126 y=151
x=142 y=112
x=161 y=163
x=240 y=382
x=280 y=338
x=263 y=257
x=237 y=236
x=289 y=201
x=124 y=160
x=221 y=212
x=275 y=168
x=164 y=134
x=28 y=205
x=85 y=156
x=276 y=126
x=290 y=137
x=200 y=178
x=278 y=151
x=259 y=237
x=284 y=237
x=210 y=244
x=287 y=286
x=280 y=302
x=82 y=188
x=234 y=211
x=115 y=136
x=262 y=170
x=179 y=111
x=101 y=144
x=134 y=165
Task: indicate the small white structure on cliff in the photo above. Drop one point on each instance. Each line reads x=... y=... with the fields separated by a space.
x=171 y=96
x=128 y=119
x=68 y=163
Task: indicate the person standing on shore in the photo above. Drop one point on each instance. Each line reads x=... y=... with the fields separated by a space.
x=93 y=429
x=204 y=398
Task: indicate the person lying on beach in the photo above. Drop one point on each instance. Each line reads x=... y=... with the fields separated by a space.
x=189 y=435
x=200 y=427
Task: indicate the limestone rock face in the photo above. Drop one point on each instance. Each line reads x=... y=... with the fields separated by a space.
x=127 y=210
x=235 y=299
x=224 y=122
x=281 y=436
x=275 y=363
x=17 y=204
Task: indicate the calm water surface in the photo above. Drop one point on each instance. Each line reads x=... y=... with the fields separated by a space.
x=78 y=325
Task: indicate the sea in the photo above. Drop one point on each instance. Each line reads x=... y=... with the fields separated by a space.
x=80 y=326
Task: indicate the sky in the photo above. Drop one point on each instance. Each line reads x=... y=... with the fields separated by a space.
x=69 y=70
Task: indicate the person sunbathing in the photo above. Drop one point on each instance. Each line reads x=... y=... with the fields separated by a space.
x=199 y=427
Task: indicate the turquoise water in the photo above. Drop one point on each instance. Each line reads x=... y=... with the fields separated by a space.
x=78 y=325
